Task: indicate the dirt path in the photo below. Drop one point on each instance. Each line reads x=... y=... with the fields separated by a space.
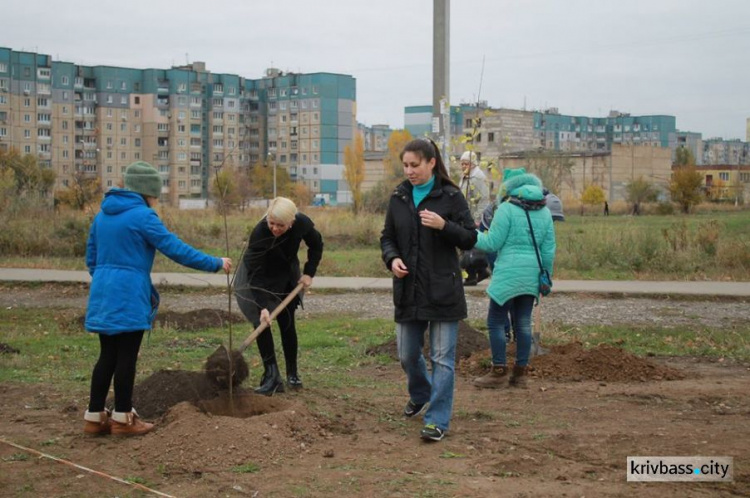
x=571 y=309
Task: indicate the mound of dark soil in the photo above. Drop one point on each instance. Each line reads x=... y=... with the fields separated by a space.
x=165 y=388
x=571 y=362
x=8 y=349
x=197 y=319
x=470 y=341
x=189 y=321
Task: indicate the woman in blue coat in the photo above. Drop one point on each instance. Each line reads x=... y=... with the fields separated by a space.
x=515 y=278
x=122 y=242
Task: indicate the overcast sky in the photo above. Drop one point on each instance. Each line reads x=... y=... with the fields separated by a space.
x=687 y=58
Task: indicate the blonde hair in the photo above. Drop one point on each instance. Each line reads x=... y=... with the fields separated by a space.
x=283 y=210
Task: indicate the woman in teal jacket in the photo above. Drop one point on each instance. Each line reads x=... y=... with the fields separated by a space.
x=122 y=242
x=515 y=279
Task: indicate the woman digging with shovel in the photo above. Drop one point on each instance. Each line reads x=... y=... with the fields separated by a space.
x=269 y=272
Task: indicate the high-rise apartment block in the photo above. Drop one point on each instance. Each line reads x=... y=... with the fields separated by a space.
x=500 y=131
x=186 y=121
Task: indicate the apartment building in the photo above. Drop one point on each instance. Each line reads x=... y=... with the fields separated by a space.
x=375 y=137
x=502 y=131
x=186 y=121
x=717 y=151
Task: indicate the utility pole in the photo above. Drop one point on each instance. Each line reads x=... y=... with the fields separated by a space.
x=441 y=73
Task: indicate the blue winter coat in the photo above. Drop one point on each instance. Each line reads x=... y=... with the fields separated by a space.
x=120 y=253
x=516 y=271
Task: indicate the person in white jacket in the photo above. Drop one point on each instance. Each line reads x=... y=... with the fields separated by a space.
x=476 y=189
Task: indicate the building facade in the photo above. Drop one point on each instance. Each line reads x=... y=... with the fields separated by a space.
x=375 y=137
x=186 y=121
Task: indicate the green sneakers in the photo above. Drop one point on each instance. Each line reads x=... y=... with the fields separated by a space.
x=432 y=432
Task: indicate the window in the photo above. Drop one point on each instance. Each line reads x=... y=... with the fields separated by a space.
x=123 y=141
x=181 y=87
x=136 y=100
x=65 y=80
x=123 y=85
x=124 y=100
x=109 y=84
x=490 y=137
x=27 y=102
x=26 y=133
x=137 y=142
x=3 y=67
x=724 y=176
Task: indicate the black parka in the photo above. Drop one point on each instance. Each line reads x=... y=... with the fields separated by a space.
x=270 y=267
x=433 y=289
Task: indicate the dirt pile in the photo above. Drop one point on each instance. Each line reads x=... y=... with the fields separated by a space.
x=202 y=430
x=572 y=362
x=8 y=349
x=470 y=341
x=189 y=321
x=188 y=440
x=166 y=388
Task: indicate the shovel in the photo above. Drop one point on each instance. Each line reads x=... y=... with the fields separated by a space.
x=536 y=335
x=224 y=365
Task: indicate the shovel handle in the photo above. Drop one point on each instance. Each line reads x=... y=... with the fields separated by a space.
x=260 y=328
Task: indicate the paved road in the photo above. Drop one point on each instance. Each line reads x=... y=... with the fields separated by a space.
x=739 y=289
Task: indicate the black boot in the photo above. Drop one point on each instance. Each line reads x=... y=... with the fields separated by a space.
x=292 y=378
x=271 y=381
x=293 y=381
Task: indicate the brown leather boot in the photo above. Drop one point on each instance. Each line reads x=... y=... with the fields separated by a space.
x=129 y=424
x=518 y=378
x=495 y=378
x=97 y=423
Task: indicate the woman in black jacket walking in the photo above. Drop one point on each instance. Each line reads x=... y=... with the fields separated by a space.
x=427 y=220
x=269 y=271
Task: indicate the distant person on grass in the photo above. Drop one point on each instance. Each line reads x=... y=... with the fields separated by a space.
x=427 y=221
x=120 y=251
x=270 y=270
x=515 y=282
x=476 y=189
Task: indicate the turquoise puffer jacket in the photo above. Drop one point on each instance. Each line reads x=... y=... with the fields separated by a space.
x=516 y=269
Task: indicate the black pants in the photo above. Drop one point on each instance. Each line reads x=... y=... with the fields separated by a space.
x=118 y=355
x=288 y=330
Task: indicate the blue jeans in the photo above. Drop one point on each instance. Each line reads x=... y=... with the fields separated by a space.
x=437 y=388
x=497 y=323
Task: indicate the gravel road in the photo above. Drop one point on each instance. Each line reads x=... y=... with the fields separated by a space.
x=569 y=309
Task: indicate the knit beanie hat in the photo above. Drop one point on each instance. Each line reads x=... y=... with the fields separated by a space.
x=143 y=178
x=469 y=157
